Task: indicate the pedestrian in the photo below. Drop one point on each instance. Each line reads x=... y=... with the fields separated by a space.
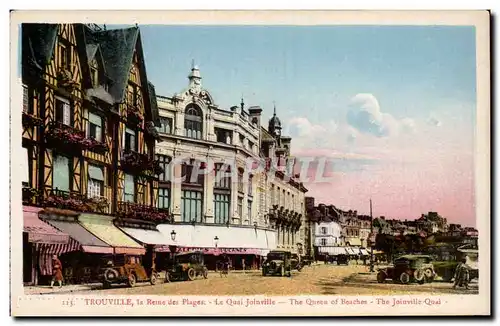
x=57 y=275
x=462 y=275
x=243 y=264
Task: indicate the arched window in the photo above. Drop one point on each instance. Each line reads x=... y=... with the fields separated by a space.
x=193 y=122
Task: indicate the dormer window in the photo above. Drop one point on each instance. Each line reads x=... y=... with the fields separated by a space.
x=193 y=120
x=95 y=76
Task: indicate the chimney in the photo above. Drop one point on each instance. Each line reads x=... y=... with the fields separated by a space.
x=255 y=114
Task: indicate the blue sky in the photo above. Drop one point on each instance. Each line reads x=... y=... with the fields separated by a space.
x=393 y=107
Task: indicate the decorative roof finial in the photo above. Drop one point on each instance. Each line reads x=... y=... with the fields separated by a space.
x=274 y=102
x=242 y=102
x=192 y=64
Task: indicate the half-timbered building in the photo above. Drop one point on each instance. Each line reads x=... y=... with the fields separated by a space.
x=88 y=139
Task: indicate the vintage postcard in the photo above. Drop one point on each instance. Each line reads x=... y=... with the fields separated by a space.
x=250 y=163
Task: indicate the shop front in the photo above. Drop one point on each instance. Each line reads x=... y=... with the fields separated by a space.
x=40 y=242
x=80 y=266
x=243 y=246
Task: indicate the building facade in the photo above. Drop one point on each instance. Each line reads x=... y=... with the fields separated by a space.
x=88 y=142
x=218 y=154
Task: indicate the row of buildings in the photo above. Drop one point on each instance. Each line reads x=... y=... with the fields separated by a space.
x=334 y=230
x=110 y=167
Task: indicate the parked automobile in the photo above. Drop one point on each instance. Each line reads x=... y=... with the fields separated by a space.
x=187 y=266
x=342 y=259
x=125 y=269
x=296 y=262
x=408 y=268
x=278 y=262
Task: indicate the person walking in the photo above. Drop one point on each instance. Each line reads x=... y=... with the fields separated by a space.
x=462 y=275
x=243 y=265
x=57 y=275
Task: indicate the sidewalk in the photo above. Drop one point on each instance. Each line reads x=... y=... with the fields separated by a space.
x=45 y=289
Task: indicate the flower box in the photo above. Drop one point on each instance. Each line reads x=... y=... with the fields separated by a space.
x=135 y=162
x=61 y=135
x=30 y=195
x=134 y=115
x=97 y=146
x=134 y=211
x=30 y=120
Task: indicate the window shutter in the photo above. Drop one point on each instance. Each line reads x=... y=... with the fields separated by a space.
x=98 y=134
x=66 y=114
x=25 y=165
x=25 y=99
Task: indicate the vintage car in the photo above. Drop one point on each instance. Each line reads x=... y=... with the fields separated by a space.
x=187 y=266
x=408 y=268
x=342 y=259
x=296 y=262
x=278 y=262
x=125 y=269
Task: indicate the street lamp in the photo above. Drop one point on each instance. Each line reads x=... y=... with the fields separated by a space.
x=216 y=241
x=172 y=235
x=173 y=247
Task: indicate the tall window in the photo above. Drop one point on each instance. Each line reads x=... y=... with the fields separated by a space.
x=223 y=135
x=166 y=125
x=64 y=55
x=193 y=122
x=94 y=76
x=132 y=94
x=27 y=166
x=273 y=199
x=164 y=162
x=222 y=194
x=26 y=100
x=129 y=189
x=250 y=185
x=249 y=210
x=221 y=208
x=284 y=199
x=323 y=242
x=130 y=139
x=163 y=197
x=240 y=207
x=61 y=173
x=63 y=111
x=323 y=230
x=95 y=186
x=95 y=126
x=191 y=206
x=240 y=181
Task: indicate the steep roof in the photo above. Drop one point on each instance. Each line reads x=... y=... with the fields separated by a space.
x=38 y=43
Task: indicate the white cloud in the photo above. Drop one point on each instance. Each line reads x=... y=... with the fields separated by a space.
x=366 y=116
x=433 y=121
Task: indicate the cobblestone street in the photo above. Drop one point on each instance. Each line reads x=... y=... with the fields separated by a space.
x=314 y=280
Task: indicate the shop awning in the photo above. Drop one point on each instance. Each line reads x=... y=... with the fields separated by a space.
x=364 y=252
x=88 y=242
x=150 y=237
x=351 y=251
x=334 y=251
x=354 y=241
x=39 y=231
x=103 y=227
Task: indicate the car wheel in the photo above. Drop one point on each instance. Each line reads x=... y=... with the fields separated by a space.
x=205 y=273
x=110 y=275
x=381 y=277
x=419 y=276
x=404 y=278
x=131 y=280
x=191 y=274
x=429 y=273
x=153 y=279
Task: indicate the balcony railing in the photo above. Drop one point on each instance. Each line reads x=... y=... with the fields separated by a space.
x=76 y=201
x=29 y=120
x=134 y=116
x=135 y=211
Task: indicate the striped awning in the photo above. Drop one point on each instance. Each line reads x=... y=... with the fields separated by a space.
x=89 y=242
x=39 y=231
x=334 y=251
x=364 y=252
x=351 y=251
x=46 y=251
